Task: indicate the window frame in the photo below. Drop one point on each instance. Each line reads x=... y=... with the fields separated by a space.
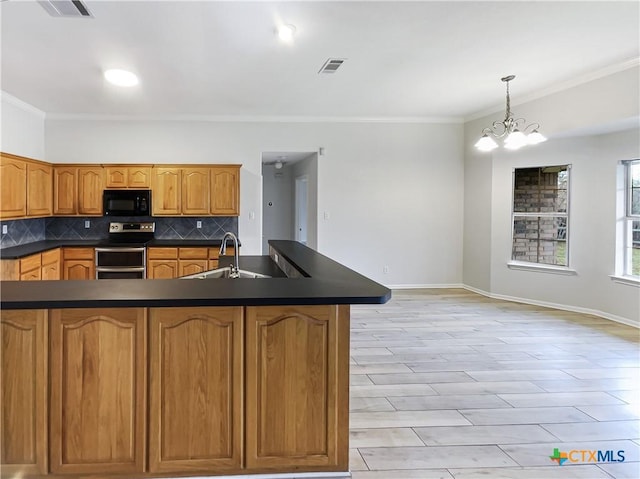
x=537 y=266
x=628 y=220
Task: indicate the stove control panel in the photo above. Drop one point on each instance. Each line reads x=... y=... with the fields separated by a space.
x=149 y=227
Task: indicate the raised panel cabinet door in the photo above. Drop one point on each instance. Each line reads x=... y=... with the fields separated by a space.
x=139 y=177
x=162 y=269
x=90 y=188
x=297 y=404
x=39 y=189
x=192 y=266
x=196 y=396
x=51 y=264
x=116 y=176
x=23 y=392
x=225 y=191
x=167 y=191
x=65 y=194
x=13 y=187
x=79 y=269
x=195 y=191
x=98 y=384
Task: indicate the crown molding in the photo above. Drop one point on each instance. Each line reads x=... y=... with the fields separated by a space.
x=24 y=106
x=256 y=118
x=586 y=78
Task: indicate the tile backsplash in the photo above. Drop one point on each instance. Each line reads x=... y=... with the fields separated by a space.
x=30 y=230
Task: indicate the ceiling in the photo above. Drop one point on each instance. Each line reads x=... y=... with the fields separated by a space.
x=404 y=60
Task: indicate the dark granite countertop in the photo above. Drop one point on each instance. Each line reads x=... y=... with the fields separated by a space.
x=328 y=282
x=17 y=252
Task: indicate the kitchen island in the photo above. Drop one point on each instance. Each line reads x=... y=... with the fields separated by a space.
x=161 y=378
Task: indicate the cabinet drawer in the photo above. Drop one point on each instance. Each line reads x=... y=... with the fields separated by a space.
x=193 y=253
x=78 y=253
x=52 y=256
x=162 y=253
x=29 y=263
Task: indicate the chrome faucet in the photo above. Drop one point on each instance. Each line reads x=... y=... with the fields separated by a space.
x=223 y=250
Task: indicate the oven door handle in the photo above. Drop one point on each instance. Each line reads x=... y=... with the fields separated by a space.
x=120 y=250
x=118 y=269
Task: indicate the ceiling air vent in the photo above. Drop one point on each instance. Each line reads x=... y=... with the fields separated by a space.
x=331 y=65
x=65 y=8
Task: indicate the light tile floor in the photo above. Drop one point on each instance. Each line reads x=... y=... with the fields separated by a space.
x=449 y=384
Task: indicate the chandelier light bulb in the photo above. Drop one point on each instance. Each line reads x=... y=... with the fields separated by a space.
x=486 y=143
x=515 y=140
x=535 y=137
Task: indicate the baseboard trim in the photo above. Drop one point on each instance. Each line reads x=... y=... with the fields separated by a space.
x=289 y=475
x=562 y=307
x=426 y=286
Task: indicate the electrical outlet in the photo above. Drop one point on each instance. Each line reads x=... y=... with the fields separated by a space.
x=5 y=229
x=87 y=224
x=385 y=269
x=252 y=215
x=198 y=224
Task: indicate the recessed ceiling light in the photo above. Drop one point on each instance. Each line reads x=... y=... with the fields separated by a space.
x=286 y=32
x=121 y=77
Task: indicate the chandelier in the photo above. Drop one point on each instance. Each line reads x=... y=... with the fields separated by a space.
x=515 y=131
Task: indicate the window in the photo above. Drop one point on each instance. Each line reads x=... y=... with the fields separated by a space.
x=632 y=219
x=541 y=215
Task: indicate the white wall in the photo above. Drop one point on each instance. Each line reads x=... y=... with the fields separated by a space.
x=393 y=192
x=22 y=130
x=488 y=183
x=277 y=204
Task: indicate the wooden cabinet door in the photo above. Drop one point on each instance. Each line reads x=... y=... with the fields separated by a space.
x=192 y=266
x=167 y=191
x=65 y=194
x=98 y=384
x=116 y=176
x=23 y=392
x=225 y=191
x=78 y=263
x=196 y=380
x=162 y=268
x=297 y=405
x=39 y=189
x=195 y=191
x=51 y=264
x=139 y=177
x=78 y=269
x=13 y=187
x=90 y=188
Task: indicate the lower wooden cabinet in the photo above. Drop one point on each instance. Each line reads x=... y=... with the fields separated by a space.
x=297 y=402
x=78 y=263
x=196 y=382
x=174 y=391
x=23 y=393
x=98 y=392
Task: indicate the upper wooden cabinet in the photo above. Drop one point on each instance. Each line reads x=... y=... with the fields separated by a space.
x=225 y=190
x=167 y=191
x=195 y=191
x=212 y=190
x=77 y=190
x=25 y=187
x=121 y=176
x=39 y=189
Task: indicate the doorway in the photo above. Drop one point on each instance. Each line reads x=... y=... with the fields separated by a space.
x=289 y=197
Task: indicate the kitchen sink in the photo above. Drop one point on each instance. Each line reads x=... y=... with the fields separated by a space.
x=225 y=272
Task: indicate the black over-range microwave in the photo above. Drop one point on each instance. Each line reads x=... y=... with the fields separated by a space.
x=126 y=202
